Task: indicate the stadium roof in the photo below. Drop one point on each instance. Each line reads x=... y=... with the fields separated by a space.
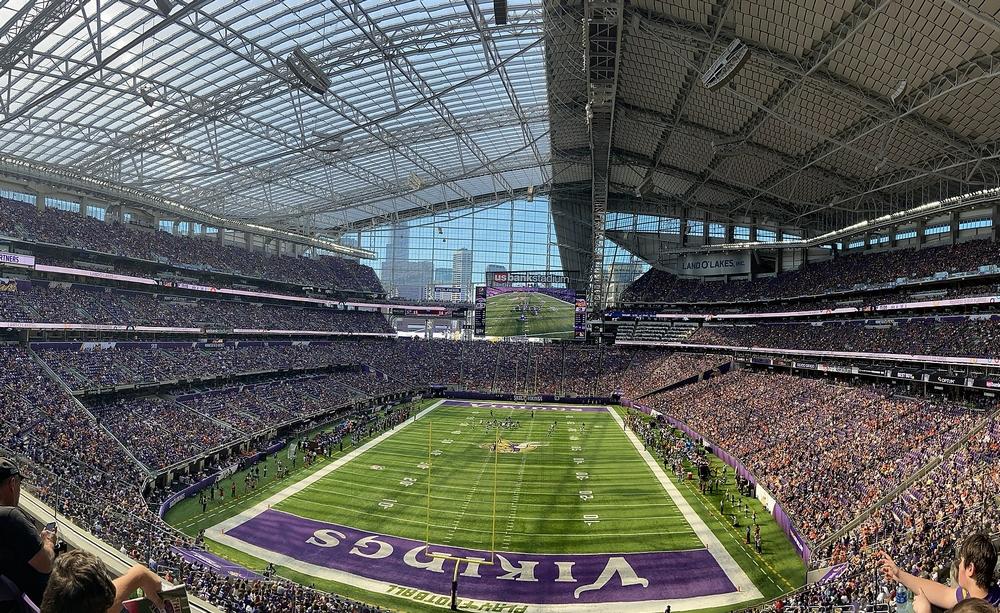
x=429 y=104
x=846 y=109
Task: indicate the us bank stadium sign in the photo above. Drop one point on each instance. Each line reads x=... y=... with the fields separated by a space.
x=506 y=279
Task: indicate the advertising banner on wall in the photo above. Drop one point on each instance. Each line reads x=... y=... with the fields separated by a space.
x=990 y=383
x=946 y=377
x=714 y=264
x=16 y=259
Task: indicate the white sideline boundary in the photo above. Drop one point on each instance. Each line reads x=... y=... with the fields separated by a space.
x=733 y=570
x=295 y=488
x=746 y=590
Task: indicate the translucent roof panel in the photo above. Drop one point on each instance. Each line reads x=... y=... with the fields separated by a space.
x=428 y=102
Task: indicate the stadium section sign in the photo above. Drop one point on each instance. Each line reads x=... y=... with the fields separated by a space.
x=712 y=264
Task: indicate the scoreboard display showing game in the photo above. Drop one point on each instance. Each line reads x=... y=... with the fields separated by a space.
x=529 y=304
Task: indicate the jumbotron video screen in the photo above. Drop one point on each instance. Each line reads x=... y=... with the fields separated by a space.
x=524 y=310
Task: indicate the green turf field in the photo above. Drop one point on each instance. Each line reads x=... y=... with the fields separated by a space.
x=555 y=318
x=580 y=488
x=540 y=504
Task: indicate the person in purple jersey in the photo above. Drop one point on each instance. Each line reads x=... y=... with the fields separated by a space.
x=973 y=605
x=977 y=560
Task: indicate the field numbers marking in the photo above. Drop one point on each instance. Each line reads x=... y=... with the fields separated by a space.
x=591 y=518
x=378 y=467
x=456 y=431
x=423 y=466
x=387 y=503
x=407 y=481
x=436 y=452
x=447 y=441
x=576 y=448
x=582 y=476
x=586 y=495
x=578 y=460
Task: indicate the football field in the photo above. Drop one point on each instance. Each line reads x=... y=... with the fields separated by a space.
x=505 y=317
x=566 y=513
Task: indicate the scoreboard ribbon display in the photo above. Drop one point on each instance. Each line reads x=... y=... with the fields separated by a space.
x=480 y=311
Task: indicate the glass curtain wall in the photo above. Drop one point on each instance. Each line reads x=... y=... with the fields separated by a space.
x=419 y=255
x=455 y=249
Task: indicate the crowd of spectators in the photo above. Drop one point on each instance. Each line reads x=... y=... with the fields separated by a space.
x=975 y=338
x=255 y=408
x=161 y=431
x=75 y=466
x=826 y=451
x=527 y=368
x=49 y=225
x=840 y=273
x=519 y=368
x=146 y=363
x=867 y=302
x=46 y=302
x=920 y=529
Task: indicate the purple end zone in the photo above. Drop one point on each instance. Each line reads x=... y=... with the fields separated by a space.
x=507 y=406
x=517 y=577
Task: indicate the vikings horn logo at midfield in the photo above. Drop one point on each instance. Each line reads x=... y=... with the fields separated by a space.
x=505 y=446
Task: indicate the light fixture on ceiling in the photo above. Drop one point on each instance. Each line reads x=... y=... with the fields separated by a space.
x=307 y=71
x=414 y=181
x=731 y=145
x=165 y=7
x=900 y=88
x=725 y=67
x=327 y=143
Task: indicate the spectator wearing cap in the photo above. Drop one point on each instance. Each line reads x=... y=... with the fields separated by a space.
x=26 y=556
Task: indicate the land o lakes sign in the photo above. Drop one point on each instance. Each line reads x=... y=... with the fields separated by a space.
x=714 y=264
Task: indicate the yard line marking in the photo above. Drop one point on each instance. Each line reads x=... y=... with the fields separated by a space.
x=512 y=514
x=729 y=566
x=297 y=487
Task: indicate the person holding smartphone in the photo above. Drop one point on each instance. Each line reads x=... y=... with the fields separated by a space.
x=26 y=555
